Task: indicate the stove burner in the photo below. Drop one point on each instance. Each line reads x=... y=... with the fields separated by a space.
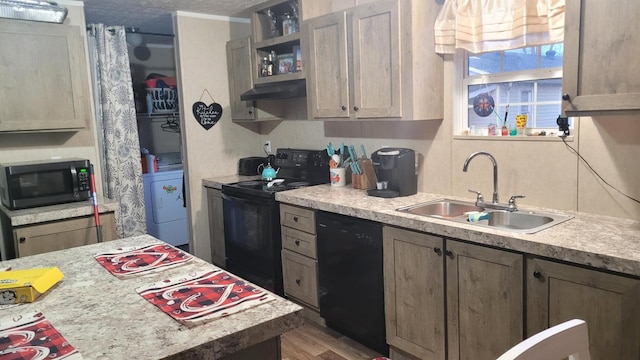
x=250 y=183
x=297 y=184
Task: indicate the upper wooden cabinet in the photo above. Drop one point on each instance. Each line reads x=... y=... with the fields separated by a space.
x=270 y=35
x=375 y=61
x=43 y=78
x=600 y=71
x=239 y=61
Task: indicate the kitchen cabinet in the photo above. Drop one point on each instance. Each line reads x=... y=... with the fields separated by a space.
x=599 y=71
x=478 y=290
x=44 y=82
x=299 y=254
x=239 y=60
x=58 y=235
x=269 y=35
x=609 y=303
x=216 y=226
x=372 y=62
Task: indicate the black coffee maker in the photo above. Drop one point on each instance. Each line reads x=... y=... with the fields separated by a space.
x=395 y=167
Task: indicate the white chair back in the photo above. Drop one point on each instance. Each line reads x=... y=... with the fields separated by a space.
x=568 y=339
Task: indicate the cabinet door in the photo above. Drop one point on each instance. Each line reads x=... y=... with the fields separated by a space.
x=375 y=37
x=600 y=67
x=43 y=78
x=328 y=74
x=414 y=292
x=300 y=277
x=610 y=304
x=216 y=226
x=240 y=67
x=60 y=235
x=484 y=301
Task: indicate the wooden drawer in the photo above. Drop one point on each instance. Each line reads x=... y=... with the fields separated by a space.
x=64 y=234
x=298 y=218
x=300 y=277
x=300 y=242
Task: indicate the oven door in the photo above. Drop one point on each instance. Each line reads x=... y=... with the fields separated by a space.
x=252 y=239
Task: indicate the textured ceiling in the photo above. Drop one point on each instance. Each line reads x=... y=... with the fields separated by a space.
x=154 y=16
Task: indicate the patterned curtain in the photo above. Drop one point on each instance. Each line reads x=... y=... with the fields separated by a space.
x=116 y=126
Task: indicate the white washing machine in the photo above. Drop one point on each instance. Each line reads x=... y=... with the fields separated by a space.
x=165 y=211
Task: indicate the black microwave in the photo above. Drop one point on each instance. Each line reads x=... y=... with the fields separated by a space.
x=39 y=183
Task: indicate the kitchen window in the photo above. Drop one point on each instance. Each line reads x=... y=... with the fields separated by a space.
x=528 y=80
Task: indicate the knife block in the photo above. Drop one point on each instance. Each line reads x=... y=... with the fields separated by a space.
x=360 y=181
x=367 y=180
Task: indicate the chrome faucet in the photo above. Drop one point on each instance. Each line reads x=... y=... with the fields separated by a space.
x=494 y=201
x=495 y=172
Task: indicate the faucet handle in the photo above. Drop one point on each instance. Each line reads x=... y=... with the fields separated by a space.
x=512 y=201
x=479 y=197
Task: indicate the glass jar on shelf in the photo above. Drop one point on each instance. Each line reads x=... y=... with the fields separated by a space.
x=289 y=24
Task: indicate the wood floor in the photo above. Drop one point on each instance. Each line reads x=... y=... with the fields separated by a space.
x=312 y=341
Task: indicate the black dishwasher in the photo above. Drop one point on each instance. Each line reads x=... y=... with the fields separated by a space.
x=351 y=286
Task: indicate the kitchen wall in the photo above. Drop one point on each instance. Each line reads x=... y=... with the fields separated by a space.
x=202 y=67
x=42 y=146
x=545 y=171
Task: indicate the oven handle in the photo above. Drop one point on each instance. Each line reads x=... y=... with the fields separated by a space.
x=238 y=199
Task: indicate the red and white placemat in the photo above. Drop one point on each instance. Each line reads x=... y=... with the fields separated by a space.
x=131 y=261
x=201 y=297
x=30 y=336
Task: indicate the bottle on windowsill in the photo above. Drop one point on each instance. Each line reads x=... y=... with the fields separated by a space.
x=505 y=130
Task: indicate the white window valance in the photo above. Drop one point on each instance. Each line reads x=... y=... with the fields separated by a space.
x=492 y=25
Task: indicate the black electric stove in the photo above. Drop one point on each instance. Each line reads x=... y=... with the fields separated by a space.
x=252 y=216
x=296 y=168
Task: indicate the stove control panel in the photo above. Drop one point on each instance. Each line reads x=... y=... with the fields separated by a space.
x=303 y=159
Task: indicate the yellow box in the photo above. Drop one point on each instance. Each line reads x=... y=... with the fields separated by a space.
x=18 y=286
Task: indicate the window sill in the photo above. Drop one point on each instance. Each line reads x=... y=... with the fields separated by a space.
x=513 y=138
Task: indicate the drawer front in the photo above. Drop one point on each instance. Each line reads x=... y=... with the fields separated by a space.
x=298 y=218
x=300 y=242
x=300 y=277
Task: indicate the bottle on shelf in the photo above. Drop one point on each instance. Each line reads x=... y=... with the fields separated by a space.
x=264 y=70
x=271 y=69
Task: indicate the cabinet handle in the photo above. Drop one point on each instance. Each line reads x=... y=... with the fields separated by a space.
x=22 y=240
x=449 y=253
x=298 y=281
x=355 y=108
x=295 y=218
x=250 y=112
x=437 y=250
x=566 y=97
x=537 y=274
x=344 y=108
x=297 y=242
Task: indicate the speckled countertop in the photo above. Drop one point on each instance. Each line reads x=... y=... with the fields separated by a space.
x=57 y=212
x=104 y=318
x=593 y=240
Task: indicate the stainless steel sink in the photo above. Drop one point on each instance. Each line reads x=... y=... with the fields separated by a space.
x=525 y=222
x=444 y=208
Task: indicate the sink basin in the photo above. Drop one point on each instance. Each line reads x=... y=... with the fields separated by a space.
x=523 y=222
x=517 y=221
x=441 y=208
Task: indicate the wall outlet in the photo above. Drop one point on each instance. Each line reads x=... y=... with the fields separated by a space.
x=267 y=146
